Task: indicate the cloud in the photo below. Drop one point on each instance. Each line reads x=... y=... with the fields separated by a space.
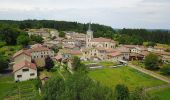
x=116 y=13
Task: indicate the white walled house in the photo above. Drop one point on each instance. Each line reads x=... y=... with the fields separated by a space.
x=24 y=71
x=21 y=56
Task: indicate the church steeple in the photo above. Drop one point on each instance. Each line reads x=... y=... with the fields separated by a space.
x=89 y=29
x=89 y=35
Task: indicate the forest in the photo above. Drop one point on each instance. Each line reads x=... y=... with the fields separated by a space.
x=124 y=36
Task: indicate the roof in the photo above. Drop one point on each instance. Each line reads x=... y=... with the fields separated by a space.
x=114 y=54
x=37 y=49
x=21 y=52
x=58 y=57
x=101 y=39
x=36 y=45
x=22 y=64
x=75 y=52
x=130 y=46
x=123 y=49
x=145 y=53
x=162 y=53
x=159 y=47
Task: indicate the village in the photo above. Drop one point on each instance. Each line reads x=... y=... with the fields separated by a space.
x=106 y=61
x=85 y=46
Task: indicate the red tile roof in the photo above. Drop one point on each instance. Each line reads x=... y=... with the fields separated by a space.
x=114 y=54
x=75 y=52
x=21 y=52
x=22 y=64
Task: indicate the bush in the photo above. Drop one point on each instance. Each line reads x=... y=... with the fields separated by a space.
x=121 y=92
x=151 y=61
x=165 y=70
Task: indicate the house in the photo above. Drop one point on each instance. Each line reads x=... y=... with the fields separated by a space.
x=44 y=32
x=40 y=52
x=115 y=56
x=54 y=33
x=164 y=56
x=156 y=49
x=24 y=70
x=21 y=56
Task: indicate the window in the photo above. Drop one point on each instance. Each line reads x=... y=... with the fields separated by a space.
x=25 y=70
x=32 y=74
x=19 y=76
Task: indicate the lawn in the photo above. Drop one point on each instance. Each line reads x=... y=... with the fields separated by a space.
x=124 y=75
x=163 y=94
x=22 y=90
x=107 y=63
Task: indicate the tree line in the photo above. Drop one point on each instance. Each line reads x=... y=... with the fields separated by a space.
x=124 y=36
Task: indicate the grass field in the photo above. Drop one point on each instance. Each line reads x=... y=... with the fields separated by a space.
x=22 y=90
x=124 y=75
x=163 y=94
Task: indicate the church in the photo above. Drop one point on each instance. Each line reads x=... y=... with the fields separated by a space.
x=97 y=48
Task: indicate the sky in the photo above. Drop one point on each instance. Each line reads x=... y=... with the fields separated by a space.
x=150 y=14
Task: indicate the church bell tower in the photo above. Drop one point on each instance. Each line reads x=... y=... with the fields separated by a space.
x=89 y=35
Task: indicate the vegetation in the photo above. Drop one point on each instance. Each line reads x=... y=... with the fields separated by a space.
x=36 y=38
x=49 y=63
x=23 y=90
x=123 y=75
x=61 y=34
x=165 y=70
x=78 y=65
x=76 y=87
x=163 y=93
x=121 y=92
x=23 y=40
x=151 y=61
x=3 y=62
x=141 y=94
x=138 y=36
x=124 y=36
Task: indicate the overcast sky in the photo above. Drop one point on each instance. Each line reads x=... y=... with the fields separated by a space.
x=153 y=14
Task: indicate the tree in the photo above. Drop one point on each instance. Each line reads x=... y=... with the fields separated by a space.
x=166 y=69
x=3 y=63
x=152 y=44
x=151 y=61
x=77 y=65
x=54 y=89
x=49 y=63
x=77 y=86
x=121 y=92
x=23 y=40
x=61 y=34
x=36 y=38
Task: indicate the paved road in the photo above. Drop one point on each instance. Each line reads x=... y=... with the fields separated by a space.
x=158 y=76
